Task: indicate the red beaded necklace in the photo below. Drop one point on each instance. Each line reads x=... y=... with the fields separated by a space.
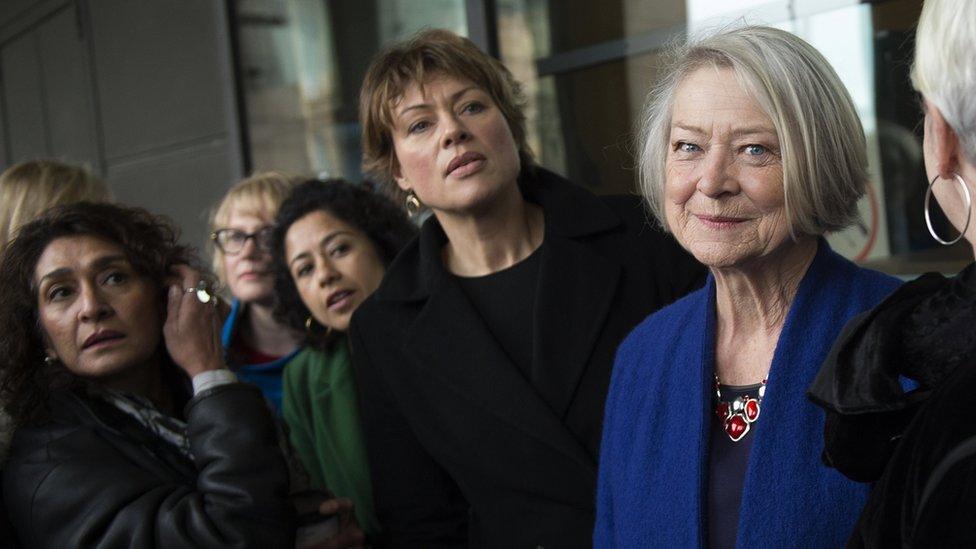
x=739 y=414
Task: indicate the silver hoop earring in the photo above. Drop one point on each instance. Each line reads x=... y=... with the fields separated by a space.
x=969 y=210
x=50 y=360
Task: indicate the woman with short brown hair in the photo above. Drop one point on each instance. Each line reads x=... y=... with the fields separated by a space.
x=484 y=356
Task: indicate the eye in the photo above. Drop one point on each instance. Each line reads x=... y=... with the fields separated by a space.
x=303 y=270
x=418 y=126
x=340 y=249
x=474 y=107
x=685 y=147
x=115 y=278
x=57 y=293
x=755 y=150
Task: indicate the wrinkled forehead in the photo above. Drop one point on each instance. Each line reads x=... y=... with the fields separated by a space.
x=719 y=94
x=76 y=253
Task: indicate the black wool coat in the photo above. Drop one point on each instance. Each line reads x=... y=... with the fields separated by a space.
x=464 y=449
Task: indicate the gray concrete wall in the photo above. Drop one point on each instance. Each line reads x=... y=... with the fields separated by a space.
x=140 y=90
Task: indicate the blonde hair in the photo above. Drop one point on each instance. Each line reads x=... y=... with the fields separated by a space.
x=824 y=152
x=29 y=188
x=944 y=70
x=415 y=61
x=260 y=194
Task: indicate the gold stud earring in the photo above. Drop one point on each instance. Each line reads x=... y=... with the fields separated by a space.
x=309 y=325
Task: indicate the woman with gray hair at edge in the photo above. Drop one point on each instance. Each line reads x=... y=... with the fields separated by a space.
x=751 y=150
x=919 y=447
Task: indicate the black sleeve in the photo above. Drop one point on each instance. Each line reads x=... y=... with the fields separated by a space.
x=417 y=503
x=85 y=493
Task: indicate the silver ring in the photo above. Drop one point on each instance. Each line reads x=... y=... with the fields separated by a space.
x=202 y=292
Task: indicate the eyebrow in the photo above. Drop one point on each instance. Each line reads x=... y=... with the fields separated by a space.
x=454 y=97
x=96 y=265
x=324 y=242
x=750 y=130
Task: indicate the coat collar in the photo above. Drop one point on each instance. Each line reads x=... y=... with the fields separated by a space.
x=570 y=212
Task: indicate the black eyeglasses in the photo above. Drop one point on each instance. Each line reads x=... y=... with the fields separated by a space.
x=231 y=241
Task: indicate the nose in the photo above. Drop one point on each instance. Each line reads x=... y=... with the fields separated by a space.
x=455 y=132
x=250 y=248
x=717 y=175
x=326 y=272
x=93 y=305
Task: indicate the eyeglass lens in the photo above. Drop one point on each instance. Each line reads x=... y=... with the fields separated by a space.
x=231 y=241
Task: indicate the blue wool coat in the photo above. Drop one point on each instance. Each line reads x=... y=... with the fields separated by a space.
x=653 y=475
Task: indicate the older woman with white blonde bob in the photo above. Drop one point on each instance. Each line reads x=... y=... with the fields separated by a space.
x=751 y=150
x=919 y=447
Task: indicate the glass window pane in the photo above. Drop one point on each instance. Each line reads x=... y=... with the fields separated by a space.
x=303 y=62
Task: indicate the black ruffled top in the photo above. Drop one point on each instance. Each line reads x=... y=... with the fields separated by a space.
x=923 y=335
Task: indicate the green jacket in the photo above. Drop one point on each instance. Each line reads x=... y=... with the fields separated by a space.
x=320 y=406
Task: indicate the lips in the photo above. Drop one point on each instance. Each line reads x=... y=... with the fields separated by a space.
x=337 y=298
x=101 y=336
x=720 y=219
x=251 y=274
x=465 y=163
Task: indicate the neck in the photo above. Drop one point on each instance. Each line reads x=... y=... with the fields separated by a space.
x=752 y=302
x=145 y=380
x=265 y=334
x=492 y=240
x=968 y=172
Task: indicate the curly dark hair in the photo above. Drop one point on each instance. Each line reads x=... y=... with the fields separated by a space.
x=148 y=241
x=360 y=206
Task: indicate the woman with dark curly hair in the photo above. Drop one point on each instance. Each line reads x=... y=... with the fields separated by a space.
x=332 y=243
x=131 y=431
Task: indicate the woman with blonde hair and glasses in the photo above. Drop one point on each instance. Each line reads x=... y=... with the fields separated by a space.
x=919 y=447
x=751 y=150
x=257 y=345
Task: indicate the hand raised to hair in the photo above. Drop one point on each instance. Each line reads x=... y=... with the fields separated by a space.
x=192 y=328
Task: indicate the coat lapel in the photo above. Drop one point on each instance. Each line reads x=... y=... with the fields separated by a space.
x=573 y=297
x=450 y=341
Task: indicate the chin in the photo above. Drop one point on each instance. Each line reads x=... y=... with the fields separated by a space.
x=716 y=254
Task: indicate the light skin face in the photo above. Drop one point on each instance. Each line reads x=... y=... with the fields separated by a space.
x=432 y=133
x=334 y=266
x=249 y=275
x=100 y=317
x=724 y=197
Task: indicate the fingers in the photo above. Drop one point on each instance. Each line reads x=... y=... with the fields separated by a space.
x=335 y=506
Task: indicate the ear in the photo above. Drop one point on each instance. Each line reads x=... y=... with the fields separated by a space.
x=401 y=181
x=944 y=142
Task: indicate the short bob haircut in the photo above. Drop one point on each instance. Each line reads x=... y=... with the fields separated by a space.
x=259 y=195
x=369 y=212
x=823 y=149
x=29 y=188
x=429 y=54
x=945 y=67
x=148 y=242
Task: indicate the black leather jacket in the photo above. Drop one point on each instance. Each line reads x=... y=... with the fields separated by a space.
x=91 y=476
